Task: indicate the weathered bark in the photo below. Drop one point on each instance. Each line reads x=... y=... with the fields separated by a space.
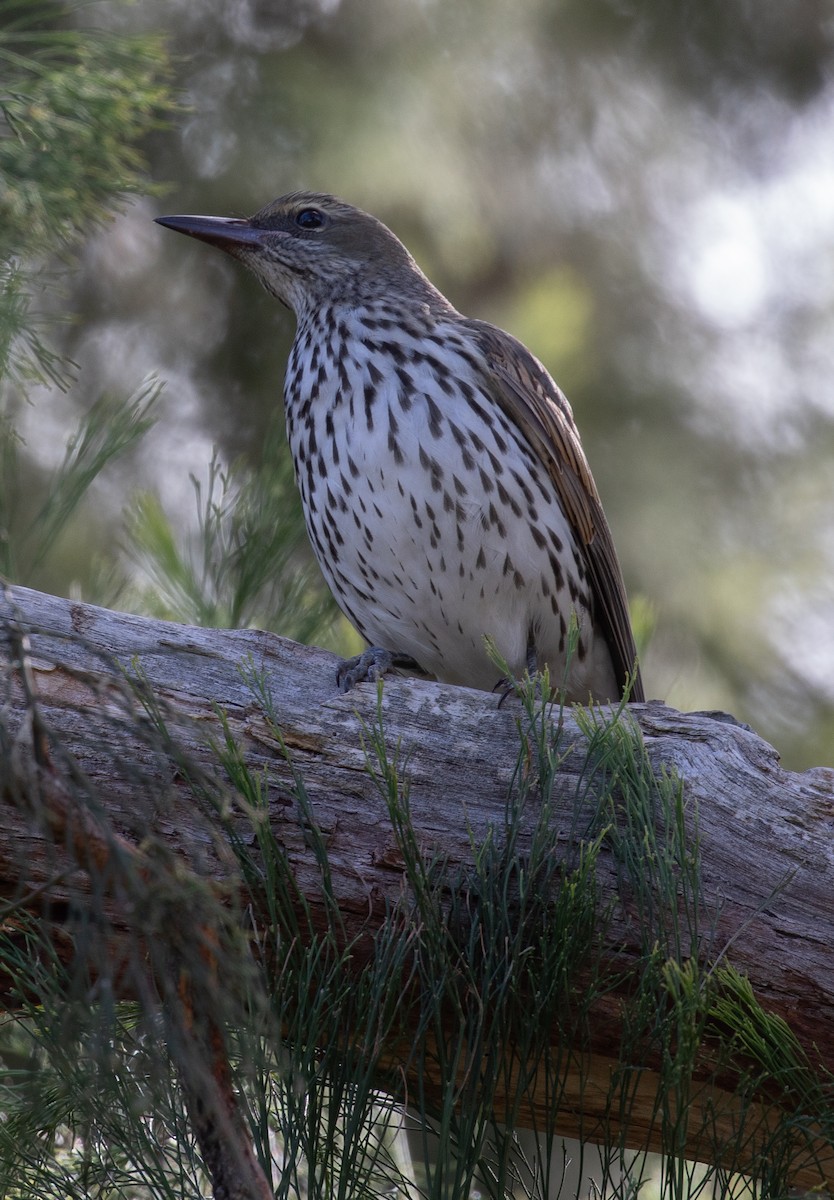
x=767 y=853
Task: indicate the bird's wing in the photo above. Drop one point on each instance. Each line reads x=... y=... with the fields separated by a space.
x=534 y=403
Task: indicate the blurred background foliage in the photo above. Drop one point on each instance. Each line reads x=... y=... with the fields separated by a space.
x=641 y=190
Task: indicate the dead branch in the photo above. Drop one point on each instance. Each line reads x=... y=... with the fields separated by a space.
x=767 y=852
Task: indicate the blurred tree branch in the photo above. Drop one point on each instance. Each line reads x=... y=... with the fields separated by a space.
x=762 y=834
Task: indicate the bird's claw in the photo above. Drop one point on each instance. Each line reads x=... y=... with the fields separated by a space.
x=367 y=667
x=504 y=688
x=371 y=665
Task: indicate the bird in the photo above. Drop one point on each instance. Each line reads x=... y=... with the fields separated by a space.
x=445 y=490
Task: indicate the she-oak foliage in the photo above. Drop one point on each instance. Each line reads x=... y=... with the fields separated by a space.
x=74 y=103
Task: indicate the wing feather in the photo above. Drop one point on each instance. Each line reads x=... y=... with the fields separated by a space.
x=535 y=404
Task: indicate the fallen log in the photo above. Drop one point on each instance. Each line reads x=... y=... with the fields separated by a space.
x=765 y=846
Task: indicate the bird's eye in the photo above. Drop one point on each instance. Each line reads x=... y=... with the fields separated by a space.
x=309 y=218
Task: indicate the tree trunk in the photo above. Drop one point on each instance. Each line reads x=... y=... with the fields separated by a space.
x=766 y=850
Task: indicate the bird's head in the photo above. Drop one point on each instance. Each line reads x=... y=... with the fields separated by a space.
x=310 y=249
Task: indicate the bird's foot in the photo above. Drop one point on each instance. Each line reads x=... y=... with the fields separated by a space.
x=371 y=665
x=504 y=688
x=508 y=685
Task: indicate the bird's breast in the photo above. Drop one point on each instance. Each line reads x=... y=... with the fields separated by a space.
x=432 y=520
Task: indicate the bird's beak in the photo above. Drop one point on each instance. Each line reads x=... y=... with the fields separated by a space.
x=227 y=233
